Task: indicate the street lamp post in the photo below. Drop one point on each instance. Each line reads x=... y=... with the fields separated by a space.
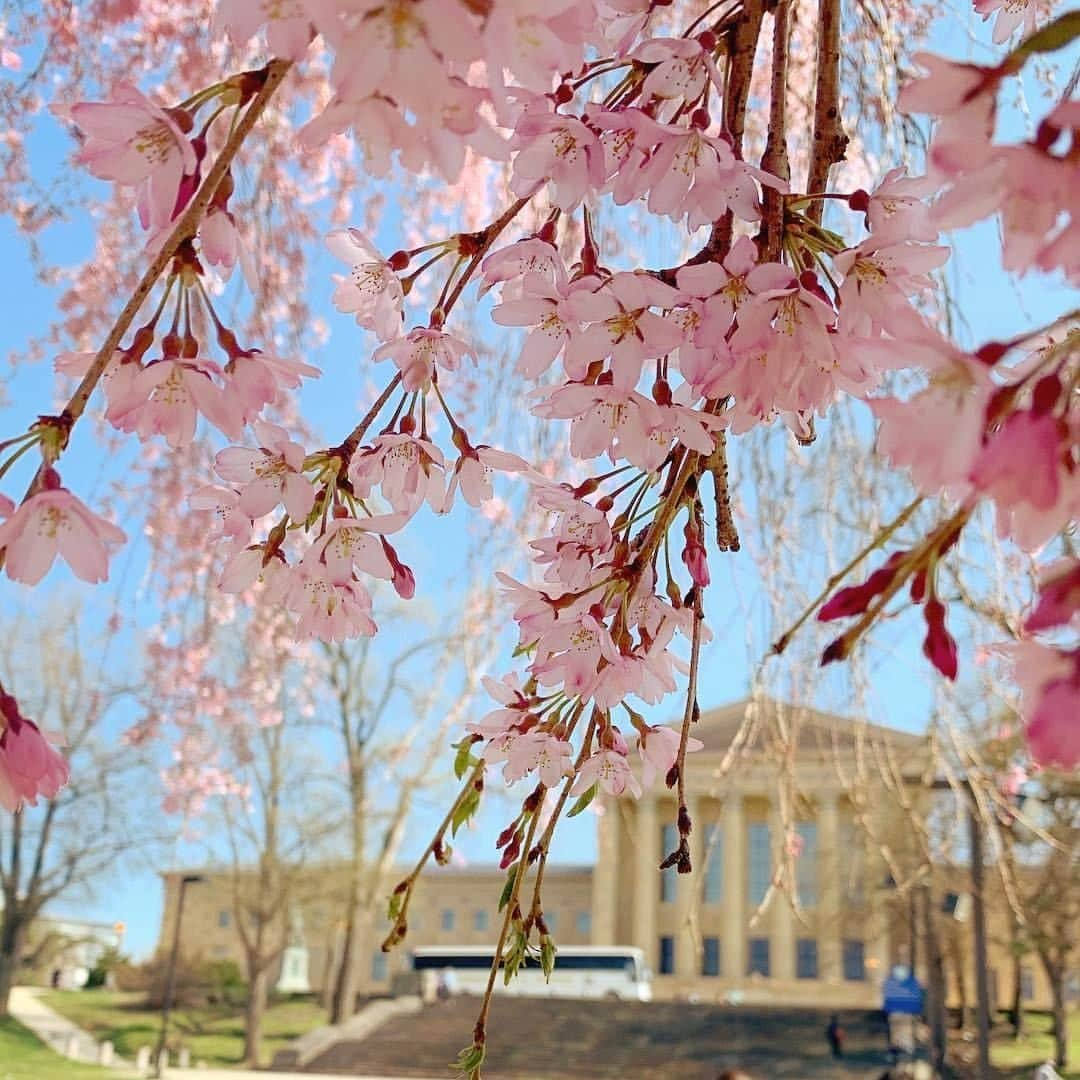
x=170 y=977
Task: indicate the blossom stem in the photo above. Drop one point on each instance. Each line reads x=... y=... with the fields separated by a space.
x=488 y=237
x=275 y=72
x=352 y=441
x=879 y=538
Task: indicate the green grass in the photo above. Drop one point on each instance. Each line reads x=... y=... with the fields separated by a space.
x=214 y=1034
x=1016 y=1060
x=24 y=1057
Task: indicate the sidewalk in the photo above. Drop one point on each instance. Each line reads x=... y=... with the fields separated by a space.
x=54 y=1030
x=64 y=1037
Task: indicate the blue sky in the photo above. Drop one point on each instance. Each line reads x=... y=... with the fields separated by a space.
x=902 y=692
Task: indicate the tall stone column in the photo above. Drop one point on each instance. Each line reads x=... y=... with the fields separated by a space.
x=646 y=879
x=782 y=918
x=687 y=898
x=605 y=882
x=733 y=943
x=830 y=863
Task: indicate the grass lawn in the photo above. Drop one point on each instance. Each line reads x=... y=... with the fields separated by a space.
x=1016 y=1060
x=214 y=1034
x=23 y=1057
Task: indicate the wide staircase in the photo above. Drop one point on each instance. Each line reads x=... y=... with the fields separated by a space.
x=545 y=1039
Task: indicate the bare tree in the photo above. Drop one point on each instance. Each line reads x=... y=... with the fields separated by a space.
x=394 y=716
x=63 y=847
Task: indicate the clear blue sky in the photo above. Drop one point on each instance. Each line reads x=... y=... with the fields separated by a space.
x=902 y=685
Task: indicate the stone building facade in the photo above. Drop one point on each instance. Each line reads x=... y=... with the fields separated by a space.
x=725 y=932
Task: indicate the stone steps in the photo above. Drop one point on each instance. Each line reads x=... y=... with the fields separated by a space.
x=537 y=1039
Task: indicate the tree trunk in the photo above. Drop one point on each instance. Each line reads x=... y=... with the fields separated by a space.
x=1061 y=1021
x=347 y=982
x=11 y=943
x=345 y=979
x=258 y=985
x=1017 y=998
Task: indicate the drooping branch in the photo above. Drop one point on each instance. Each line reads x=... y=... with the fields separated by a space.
x=830 y=142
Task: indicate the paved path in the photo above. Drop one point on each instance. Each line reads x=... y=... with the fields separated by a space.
x=66 y=1038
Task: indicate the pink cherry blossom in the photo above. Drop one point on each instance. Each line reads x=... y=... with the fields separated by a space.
x=407 y=470
x=288 y=24
x=372 y=291
x=167 y=397
x=896 y=209
x=256 y=379
x=54 y=522
x=29 y=766
x=225 y=504
x=1025 y=468
x=1010 y=15
x=659 y=747
x=420 y=352
x=1059 y=596
x=622 y=326
x=611 y=771
x=472 y=472
x=540 y=752
x=1053 y=730
x=605 y=419
x=269 y=475
x=543 y=304
x=132 y=141
x=561 y=150
x=329 y=611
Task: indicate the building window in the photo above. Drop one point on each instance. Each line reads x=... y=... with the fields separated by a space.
x=552 y=920
x=760 y=861
x=1072 y=987
x=583 y=922
x=669 y=841
x=448 y=918
x=806 y=958
x=757 y=961
x=223 y=919
x=378 y=966
x=667 y=955
x=710 y=960
x=480 y=919
x=714 y=865
x=806 y=865
x=1027 y=984
x=854 y=961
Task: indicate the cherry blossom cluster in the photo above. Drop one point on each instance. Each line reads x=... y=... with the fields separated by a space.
x=587 y=104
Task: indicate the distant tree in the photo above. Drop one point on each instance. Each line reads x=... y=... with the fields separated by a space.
x=63 y=847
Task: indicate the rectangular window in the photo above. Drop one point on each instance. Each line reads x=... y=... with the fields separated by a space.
x=806 y=865
x=447 y=918
x=714 y=865
x=760 y=861
x=552 y=920
x=223 y=919
x=757 y=960
x=378 y=966
x=710 y=959
x=1027 y=983
x=583 y=923
x=806 y=958
x=480 y=919
x=854 y=961
x=667 y=955
x=669 y=841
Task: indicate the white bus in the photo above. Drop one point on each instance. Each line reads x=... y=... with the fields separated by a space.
x=580 y=972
